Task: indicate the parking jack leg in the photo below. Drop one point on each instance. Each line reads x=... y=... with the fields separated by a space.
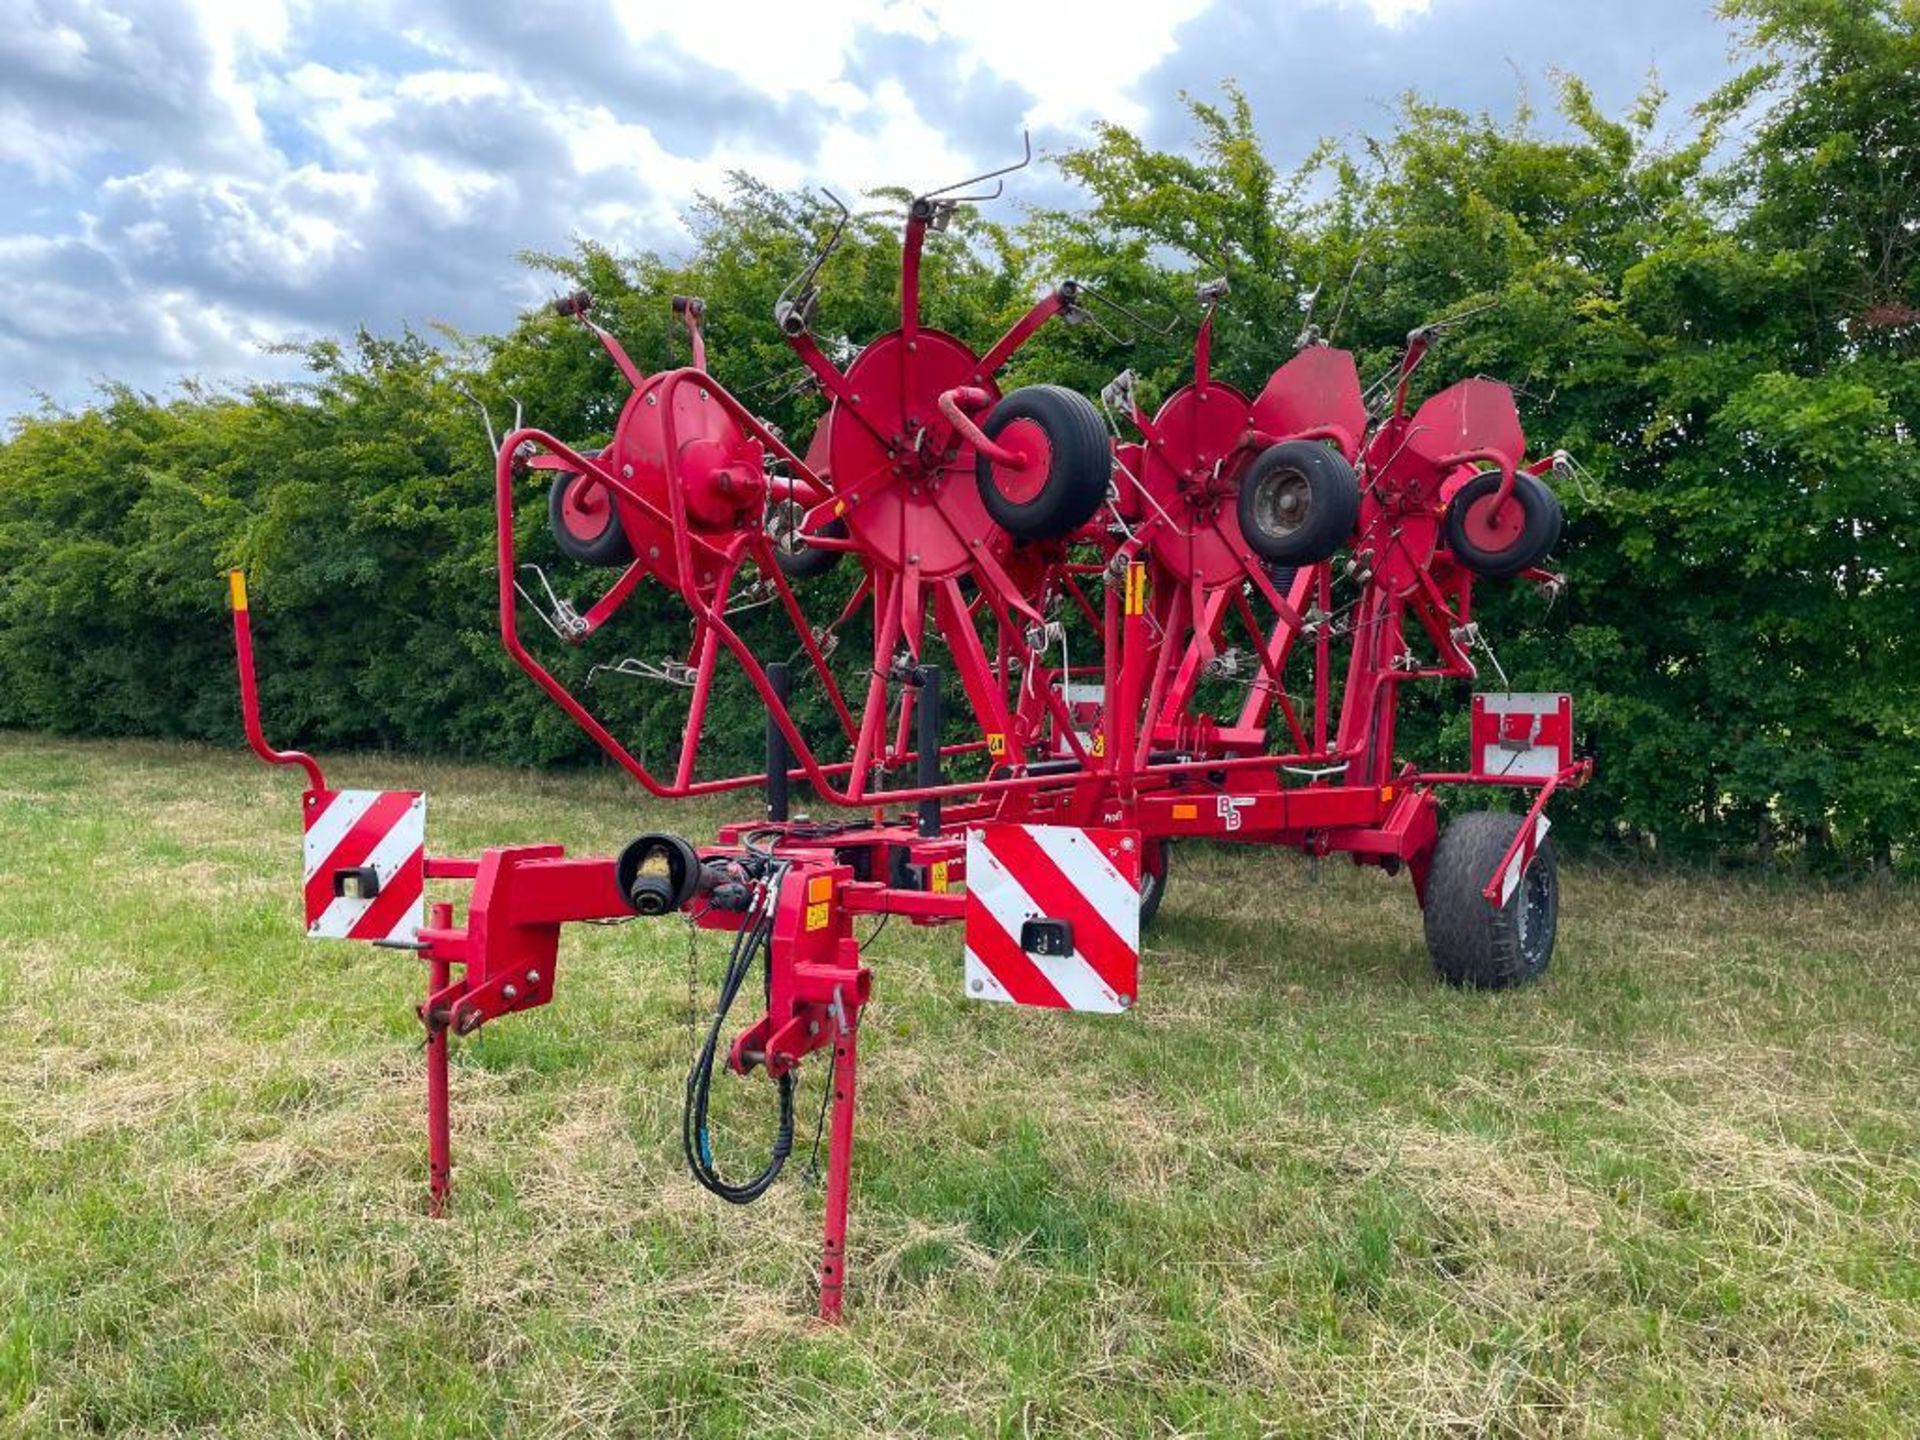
x=833 y=1259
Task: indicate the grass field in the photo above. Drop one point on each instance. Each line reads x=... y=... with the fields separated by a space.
x=1673 y=1190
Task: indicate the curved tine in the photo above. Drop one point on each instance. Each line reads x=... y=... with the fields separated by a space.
x=1082 y=315
x=1133 y=317
x=1346 y=294
x=1308 y=334
x=1435 y=327
x=1026 y=159
x=1429 y=332
x=486 y=416
x=800 y=283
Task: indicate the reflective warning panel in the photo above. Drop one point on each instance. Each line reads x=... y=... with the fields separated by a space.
x=366 y=864
x=1053 y=916
x=1527 y=737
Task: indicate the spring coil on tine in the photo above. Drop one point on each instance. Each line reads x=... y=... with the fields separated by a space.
x=667 y=672
x=559 y=615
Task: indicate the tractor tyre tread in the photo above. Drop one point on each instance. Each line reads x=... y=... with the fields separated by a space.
x=1472 y=944
x=1076 y=484
x=1333 y=509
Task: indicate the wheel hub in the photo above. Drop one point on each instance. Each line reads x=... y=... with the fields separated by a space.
x=1494 y=524
x=1283 y=502
x=1022 y=483
x=586 y=508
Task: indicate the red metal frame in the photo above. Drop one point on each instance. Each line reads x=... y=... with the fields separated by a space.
x=250 y=689
x=690 y=473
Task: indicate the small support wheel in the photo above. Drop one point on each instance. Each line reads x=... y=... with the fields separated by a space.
x=796 y=558
x=1476 y=944
x=1299 y=501
x=1153 y=879
x=1065 y=463
x=585 y=521
x=1497 y=539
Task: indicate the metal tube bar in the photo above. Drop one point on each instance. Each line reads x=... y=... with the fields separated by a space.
x=928 y=771
x=777 y=757
x=250 y=691
x=439 y=1124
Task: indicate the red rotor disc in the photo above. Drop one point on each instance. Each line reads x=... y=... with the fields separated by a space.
x=1193 y=477
x=716 y=470
x=903 y=503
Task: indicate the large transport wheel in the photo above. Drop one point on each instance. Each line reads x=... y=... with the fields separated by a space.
x=1299 y=501
x=1068 y=463
x=1153 y=878
x=1499 y=541
x=585 y=522
x=1471 y=942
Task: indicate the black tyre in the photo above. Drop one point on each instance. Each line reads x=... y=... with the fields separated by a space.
x=1473 y=943
x=1299 y=501
x=1153 y=879
x=585 y=521
x=1559 y=523
x=1071 y=462
x=796 y=558
x=1283 y=577
x=1499 y=541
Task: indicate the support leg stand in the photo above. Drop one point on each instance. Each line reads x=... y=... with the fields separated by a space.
x=833 y=1258
x=439 y=1137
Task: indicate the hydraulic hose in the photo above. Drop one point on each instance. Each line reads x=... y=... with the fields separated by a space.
x=752 y=941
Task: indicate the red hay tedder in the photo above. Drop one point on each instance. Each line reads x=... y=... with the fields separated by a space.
x=1221 y=543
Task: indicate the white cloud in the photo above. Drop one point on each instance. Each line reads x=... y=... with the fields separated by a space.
x=192 y=179
x=1391 y=12
x=1078 y=57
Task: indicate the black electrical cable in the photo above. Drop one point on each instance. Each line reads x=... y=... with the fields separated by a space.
x=751 y=941
x=819 y=1128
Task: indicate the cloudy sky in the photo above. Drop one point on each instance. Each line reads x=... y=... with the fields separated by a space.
x=187 y=181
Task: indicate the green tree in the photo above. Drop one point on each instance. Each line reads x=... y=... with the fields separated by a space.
x=1722 y=327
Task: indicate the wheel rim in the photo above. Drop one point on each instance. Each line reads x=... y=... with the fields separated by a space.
x=1532 y=913
x=586 y=509
x=1022 y=483
x=1282 y=502
x=1494 y=525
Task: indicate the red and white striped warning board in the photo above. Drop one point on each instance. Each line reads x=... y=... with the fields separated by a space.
x=1053 y=916
x=1525 y=846
x=366 y=864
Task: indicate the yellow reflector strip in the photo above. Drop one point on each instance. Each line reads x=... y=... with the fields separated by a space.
x=237 y=588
